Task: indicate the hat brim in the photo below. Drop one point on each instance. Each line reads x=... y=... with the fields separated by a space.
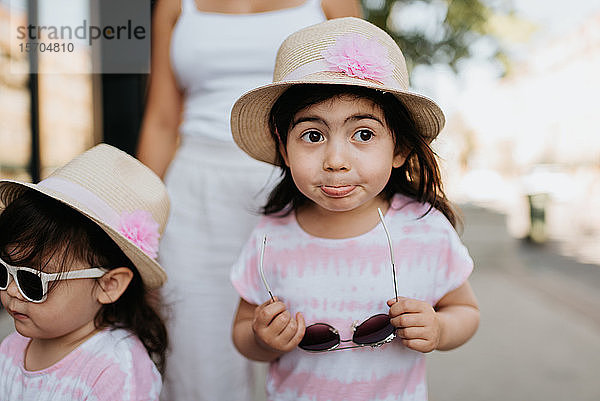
x=151 y=272
x=250 y=114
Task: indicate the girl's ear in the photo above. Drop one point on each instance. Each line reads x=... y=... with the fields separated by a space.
x=398 y=160
x=113 y=284
x=283 y=153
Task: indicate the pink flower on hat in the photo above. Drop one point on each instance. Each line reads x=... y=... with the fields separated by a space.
x=357 y=56
x=141 y=229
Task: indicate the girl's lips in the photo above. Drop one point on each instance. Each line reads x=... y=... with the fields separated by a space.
x=337 y=191
x=17 y=315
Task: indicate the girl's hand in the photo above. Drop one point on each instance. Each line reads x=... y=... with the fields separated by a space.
x=417 y=322
x=275 y=329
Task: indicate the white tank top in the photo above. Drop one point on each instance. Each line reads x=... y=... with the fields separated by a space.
x=217 y=57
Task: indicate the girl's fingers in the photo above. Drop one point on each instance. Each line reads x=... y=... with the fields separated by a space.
x=295 y=329
x=419 y=345
x=401 y=302
x=300 y=329
x=276 y=328
x=409 y=320
x=286 y=335
x=268 y=311
x=411 y=333
x=392 y=301
x=407 y=305
x=281 y=323
x=298 y=333
x=269 y=302
x=291 y=335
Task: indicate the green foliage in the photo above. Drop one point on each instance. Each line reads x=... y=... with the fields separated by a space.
x=446 y=40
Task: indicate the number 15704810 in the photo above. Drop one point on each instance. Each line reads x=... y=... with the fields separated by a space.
x=43 y=47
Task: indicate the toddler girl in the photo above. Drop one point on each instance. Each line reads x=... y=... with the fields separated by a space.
x=77 y=258
x=358 y=241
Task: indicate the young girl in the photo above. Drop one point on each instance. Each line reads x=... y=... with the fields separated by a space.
x=353 y=143
x=77 y=257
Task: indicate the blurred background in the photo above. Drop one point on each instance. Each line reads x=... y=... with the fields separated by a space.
x=518 y=81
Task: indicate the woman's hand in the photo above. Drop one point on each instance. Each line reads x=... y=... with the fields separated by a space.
x=419 y=326
x=275 y=329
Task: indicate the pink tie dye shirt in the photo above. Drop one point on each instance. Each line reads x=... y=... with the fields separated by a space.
x=340 y=281
x=111 y=365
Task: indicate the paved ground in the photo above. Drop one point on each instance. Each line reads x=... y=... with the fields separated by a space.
x=539 y=337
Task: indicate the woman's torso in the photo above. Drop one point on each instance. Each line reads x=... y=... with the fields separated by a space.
x=217 y=57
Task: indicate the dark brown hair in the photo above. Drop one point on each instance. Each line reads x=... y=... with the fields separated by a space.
x=419 y=177
x=35 y=229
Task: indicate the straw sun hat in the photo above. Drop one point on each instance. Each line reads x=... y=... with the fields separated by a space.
x=118 y=193
x=344 y=51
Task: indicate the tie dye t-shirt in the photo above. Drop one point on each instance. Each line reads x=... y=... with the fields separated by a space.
x=111 y=365
x=341 y=281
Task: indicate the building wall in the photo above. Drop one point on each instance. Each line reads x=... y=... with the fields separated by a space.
x=65 y=107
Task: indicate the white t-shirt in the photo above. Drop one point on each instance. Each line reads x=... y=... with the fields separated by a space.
x=111 y=365
x=216 y=57
x=340 y=281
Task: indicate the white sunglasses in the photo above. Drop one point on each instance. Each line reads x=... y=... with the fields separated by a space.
x=33 y=284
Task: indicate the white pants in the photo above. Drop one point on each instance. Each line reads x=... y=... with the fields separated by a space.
x=216 y=191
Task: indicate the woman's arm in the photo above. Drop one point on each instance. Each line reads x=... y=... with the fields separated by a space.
x=265 y=332
x=341 y=8
x=159 y=131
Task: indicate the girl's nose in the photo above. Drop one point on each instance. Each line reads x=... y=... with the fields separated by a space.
x=12 y=289
x=336 y=158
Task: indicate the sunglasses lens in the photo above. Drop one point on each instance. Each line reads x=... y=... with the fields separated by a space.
x=3 y=276
x=319 y=337
x=30 y=284
x=373 y=330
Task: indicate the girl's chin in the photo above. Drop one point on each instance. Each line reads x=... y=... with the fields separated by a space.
x=22 y=329
x=338 y=205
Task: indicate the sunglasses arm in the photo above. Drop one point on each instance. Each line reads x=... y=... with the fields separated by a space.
x=73 y=274
x=389 y=238
x=261 y=270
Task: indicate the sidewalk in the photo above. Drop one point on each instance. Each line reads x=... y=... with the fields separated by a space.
x=539 y=337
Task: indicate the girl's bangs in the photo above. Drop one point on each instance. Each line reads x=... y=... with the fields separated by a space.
x=35 y=229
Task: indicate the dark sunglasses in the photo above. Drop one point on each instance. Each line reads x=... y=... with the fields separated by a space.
x=374 y=332
x=33 y=284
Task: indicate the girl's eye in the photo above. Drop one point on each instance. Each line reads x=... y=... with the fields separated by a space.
x=312 y=136
x=363 y=135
